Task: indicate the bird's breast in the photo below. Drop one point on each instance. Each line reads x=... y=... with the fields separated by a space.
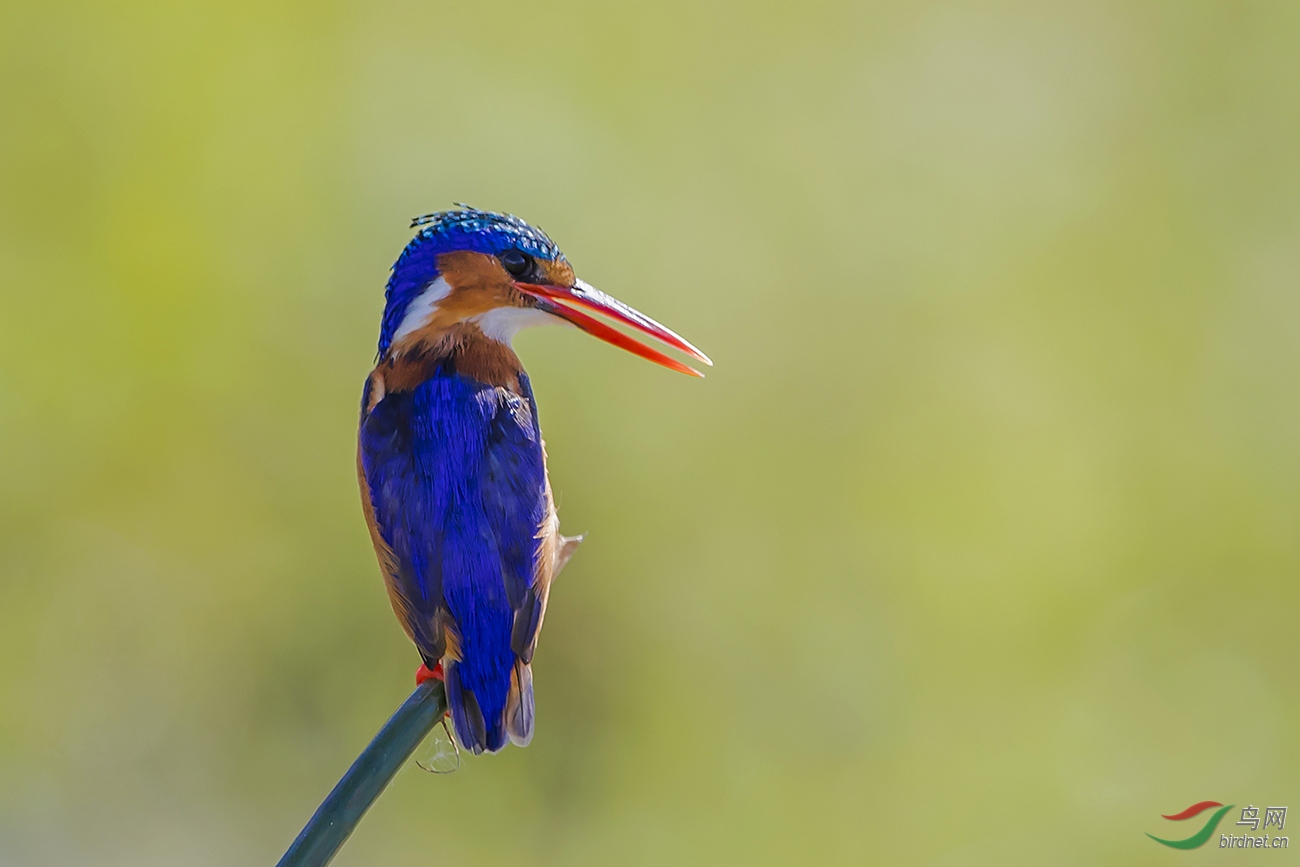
x=462 y=349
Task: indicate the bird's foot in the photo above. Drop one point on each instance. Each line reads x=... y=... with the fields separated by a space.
x=424 y=673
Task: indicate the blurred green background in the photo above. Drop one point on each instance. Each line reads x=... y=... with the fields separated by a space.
x=978 y=546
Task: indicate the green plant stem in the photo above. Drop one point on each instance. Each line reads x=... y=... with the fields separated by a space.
x=336 y=817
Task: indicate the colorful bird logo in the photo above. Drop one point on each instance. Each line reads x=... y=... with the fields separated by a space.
x=1199 y=838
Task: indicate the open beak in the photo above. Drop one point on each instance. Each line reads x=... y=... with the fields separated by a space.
x=562 y=301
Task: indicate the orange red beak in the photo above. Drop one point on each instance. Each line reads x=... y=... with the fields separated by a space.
x=564 y=301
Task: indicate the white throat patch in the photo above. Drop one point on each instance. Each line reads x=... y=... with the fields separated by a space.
x=503 y=323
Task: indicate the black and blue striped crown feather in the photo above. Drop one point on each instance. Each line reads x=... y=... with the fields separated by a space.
x=484 y=232
x=447 y=231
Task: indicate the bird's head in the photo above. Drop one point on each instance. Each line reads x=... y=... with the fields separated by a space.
x=499 y=274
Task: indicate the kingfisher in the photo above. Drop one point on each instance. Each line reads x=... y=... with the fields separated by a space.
x=451 y=461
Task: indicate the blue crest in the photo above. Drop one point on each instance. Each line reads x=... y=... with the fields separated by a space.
x=445 y=232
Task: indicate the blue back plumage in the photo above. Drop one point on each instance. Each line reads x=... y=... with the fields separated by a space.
x=456 y=475
x=446 y=231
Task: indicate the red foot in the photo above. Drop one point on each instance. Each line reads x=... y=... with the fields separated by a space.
x=423 y=673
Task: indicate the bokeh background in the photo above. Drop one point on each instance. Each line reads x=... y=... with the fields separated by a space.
x=978 y=546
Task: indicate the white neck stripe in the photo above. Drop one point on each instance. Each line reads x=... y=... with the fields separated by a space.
x=419 y=311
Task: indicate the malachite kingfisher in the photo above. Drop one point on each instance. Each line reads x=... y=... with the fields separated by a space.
x=451 y=461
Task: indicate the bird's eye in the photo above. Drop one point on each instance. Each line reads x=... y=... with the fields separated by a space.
x=516 y=263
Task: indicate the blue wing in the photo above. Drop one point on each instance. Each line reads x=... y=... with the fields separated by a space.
x=456 y=477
